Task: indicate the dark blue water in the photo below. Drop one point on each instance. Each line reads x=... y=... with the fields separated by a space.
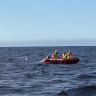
x=20 y=77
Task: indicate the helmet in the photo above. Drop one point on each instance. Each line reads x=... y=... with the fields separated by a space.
x=56 y=51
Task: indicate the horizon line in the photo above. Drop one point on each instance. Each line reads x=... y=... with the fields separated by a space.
x=53 y=46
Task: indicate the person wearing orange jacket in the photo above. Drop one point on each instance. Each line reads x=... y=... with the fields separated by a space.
x=55 y=56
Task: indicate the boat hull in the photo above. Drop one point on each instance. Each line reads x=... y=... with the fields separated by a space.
x=62 y=61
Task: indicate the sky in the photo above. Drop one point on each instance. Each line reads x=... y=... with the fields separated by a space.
x=47 y=22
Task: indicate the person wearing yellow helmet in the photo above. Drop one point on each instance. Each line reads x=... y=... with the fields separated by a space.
x=55 y=56
x=56 y=52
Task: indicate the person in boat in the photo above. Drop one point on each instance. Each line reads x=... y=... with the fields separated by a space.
x=64 y=56
x=55 y=56
x=69 y=55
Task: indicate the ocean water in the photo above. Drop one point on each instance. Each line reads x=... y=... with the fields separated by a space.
x=21 y=77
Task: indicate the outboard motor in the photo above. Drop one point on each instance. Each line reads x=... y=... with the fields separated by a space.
x=48 y=57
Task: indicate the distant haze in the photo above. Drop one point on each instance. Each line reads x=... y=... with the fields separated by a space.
x=48 y=43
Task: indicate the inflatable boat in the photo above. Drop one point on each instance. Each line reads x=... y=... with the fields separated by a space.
x=62 y=61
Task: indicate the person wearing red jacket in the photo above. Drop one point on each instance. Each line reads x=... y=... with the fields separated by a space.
x=69 y=55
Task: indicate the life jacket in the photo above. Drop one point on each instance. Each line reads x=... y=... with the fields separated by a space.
x=69 y=56
x=64 y=56
x=55 y=56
